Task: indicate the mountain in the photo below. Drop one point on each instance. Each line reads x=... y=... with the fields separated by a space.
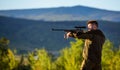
x=75 y=13
x=26 y=35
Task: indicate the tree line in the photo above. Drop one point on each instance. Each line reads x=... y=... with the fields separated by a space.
x=70 y=58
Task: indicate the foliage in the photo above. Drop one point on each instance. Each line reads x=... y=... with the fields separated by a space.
x=7 y=60
x=110 y=57
x=39 y=60
x=70 y=58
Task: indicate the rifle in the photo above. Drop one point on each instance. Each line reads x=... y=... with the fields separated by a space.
x=76 y=30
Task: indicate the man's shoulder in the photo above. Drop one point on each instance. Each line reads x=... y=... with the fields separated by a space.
x=99 y=32
x=96 y=32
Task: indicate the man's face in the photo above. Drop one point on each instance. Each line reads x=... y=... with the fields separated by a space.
x=91 y=27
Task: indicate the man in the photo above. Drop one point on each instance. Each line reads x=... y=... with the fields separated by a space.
x=94 y=40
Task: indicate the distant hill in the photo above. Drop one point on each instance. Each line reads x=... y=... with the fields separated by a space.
x=26 y=35
x=75 y=13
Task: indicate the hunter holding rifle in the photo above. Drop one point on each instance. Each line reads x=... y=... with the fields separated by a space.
x=92 y=52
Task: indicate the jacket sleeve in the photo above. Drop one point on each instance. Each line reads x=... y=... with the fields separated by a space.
x=87 y=35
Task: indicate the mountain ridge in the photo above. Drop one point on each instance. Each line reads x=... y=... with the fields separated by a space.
x=64 y=13
x=59 y=7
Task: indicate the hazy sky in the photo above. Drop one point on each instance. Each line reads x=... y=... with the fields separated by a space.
x=25 y=4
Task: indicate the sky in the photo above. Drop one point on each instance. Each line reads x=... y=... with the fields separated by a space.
x=30 y=4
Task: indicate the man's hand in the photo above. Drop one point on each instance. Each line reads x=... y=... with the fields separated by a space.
x=68 y=34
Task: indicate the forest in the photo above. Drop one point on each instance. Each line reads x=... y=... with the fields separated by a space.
x=26 y=35
x=69 y=58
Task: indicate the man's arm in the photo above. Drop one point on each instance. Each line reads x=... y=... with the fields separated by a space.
x=86 y=35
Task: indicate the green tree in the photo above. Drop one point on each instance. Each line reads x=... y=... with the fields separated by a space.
x=7 y=60
x=70 y=58
x=110 y=57
x=40 y=60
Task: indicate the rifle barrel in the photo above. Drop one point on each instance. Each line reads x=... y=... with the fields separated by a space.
x=80 y=26
x=57 y=29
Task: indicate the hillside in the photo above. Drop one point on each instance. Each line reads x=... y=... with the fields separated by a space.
x=26 y=35
x=75 y=13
